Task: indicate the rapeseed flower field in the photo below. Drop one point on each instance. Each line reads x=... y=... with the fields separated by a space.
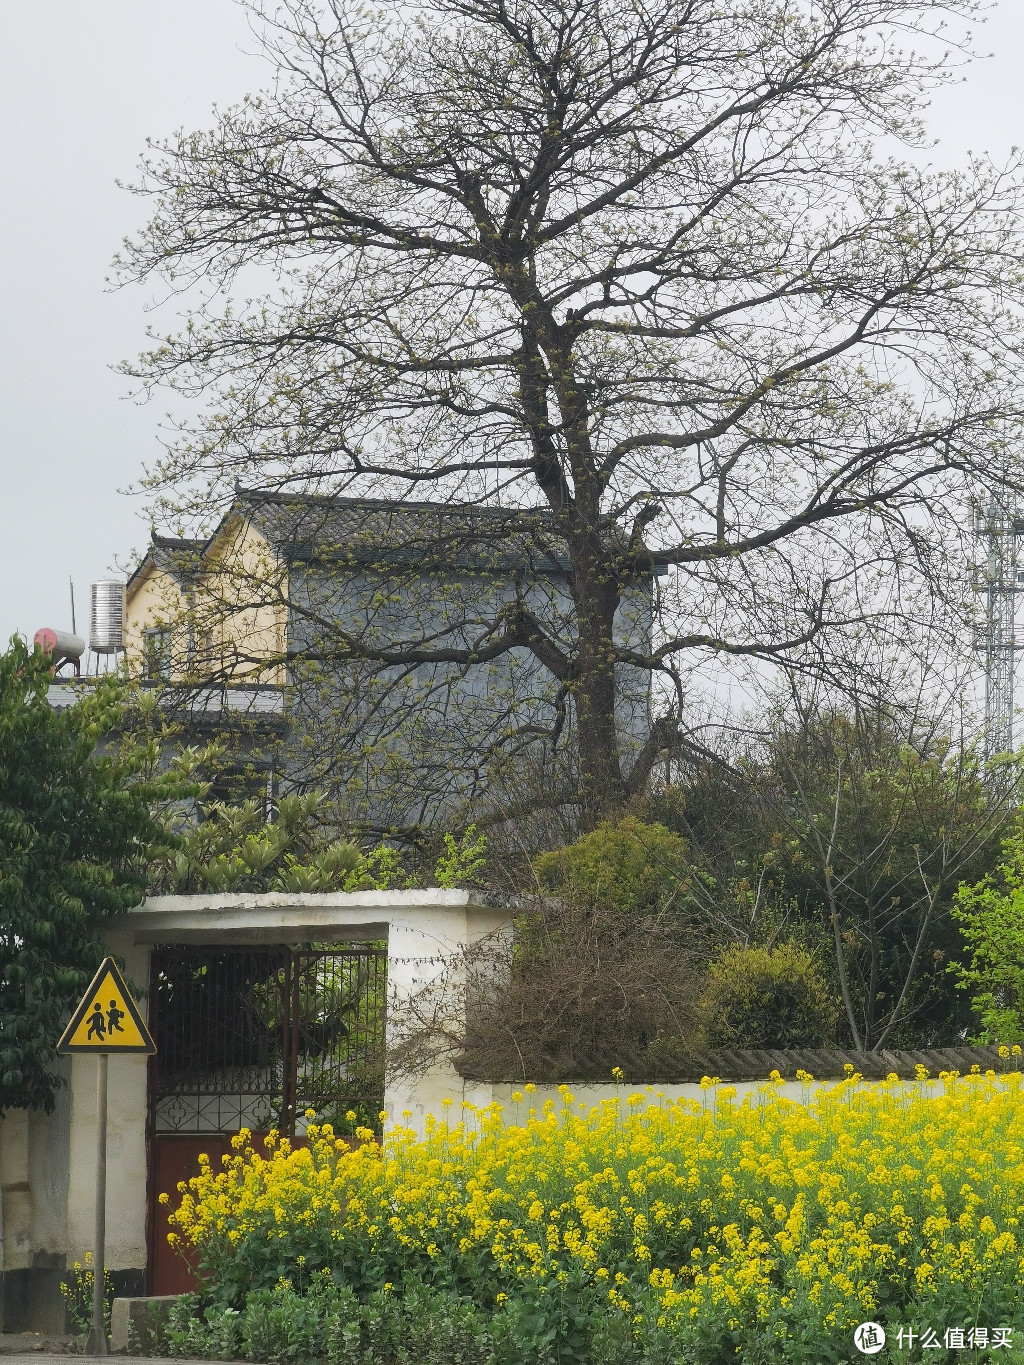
x=762 y=1230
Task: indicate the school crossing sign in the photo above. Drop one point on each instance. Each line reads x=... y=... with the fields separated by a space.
x=107 y=1019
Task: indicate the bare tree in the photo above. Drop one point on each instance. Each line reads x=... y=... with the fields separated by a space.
x=632 y=266
x=579 y=989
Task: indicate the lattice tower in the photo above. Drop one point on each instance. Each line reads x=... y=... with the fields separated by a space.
x=998 y=529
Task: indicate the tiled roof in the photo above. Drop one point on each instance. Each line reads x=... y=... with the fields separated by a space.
x=757 y=1064
x=368 y=528
x=432 y=535
x=179 y=559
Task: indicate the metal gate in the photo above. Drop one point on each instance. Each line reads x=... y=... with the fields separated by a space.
x=253 y=1037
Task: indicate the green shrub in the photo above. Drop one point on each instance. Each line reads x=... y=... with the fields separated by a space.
x=991 y=919
x=768 y=998
x=187 y=1330
x=631 y=865
x=328 y=1325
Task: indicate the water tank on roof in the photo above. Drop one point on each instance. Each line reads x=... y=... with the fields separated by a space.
x=106 y=616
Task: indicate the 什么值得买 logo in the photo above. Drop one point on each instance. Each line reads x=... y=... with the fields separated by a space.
x=869 y=1338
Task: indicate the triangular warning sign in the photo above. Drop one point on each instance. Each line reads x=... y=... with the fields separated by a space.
x=108 y=1019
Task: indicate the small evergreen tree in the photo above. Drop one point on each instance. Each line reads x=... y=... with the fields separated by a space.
x=75 y=830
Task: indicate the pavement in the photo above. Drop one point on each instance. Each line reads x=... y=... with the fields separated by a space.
x=64 y=1357
x=26 y=1348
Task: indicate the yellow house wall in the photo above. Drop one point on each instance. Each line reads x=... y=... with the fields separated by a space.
x=154 y=599
x=239 y=600
x=238 y=616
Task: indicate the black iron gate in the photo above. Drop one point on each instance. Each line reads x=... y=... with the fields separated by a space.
x=253 y=1037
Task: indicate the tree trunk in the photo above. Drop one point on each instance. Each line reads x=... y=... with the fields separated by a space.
x=603 y=790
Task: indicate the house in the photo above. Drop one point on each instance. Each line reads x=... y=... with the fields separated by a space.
x=335 y=615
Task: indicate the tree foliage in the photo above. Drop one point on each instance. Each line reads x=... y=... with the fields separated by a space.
x=633 y=866
x=990 y=914
x=245 y=847
x=238 y=848
x=768 y=998
x=634 y=266
x=75 y=833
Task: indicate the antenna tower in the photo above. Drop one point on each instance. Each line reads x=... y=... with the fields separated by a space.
x=998 y=530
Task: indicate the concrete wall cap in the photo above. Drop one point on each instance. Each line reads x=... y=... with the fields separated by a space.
x=434 y=898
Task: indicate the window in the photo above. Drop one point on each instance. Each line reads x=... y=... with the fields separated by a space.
x=157 y=645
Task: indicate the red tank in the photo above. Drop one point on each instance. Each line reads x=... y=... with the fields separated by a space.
x=66 y=647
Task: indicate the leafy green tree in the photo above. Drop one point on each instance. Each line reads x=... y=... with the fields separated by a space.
x=76 y=829
x=991 y=918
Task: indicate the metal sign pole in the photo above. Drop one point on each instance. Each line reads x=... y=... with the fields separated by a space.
x=98 y=1335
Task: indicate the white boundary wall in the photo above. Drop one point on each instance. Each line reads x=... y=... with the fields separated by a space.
x=588 y=1095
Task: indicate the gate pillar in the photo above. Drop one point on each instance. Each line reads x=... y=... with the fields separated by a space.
x=429 y=989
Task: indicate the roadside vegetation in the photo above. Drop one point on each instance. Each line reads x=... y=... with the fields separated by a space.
x=639 y=1231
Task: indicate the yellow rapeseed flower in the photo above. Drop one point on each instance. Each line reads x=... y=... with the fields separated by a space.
x=732 y=1212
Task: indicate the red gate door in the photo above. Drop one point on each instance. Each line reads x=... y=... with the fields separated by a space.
x=176 y=1158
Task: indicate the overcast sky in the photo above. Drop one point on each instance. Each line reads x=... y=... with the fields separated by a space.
x=81 y=87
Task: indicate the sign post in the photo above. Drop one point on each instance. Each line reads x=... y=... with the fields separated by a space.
x=97 y=1343
x=107 y=1020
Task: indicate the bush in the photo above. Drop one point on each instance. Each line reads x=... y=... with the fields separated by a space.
x=579 y=991
x=328 y=1325
x=629 y=865
x=631 y=1234
x=768 y=998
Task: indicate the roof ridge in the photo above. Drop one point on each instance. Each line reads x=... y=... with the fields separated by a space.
x=174 y=542
x=397 y=504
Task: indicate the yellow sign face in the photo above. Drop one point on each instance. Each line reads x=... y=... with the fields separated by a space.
x=108 y=1019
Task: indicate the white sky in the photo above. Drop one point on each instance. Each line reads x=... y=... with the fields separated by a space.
x=81 y=87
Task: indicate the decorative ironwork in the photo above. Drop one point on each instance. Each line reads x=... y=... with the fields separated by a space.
x=253 y=1037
